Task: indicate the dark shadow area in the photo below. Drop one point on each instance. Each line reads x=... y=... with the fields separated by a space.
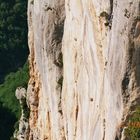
x=11 y=60
x=13 y=66
x=13 y=36
x=137 y=58
x=7 y=121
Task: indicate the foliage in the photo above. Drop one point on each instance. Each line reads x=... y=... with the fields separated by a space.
x=133 y=131
x=7 y=89
x=13 y=36
x=105 y=14
x=13 y=55
x=12 y=138
x=9 y=101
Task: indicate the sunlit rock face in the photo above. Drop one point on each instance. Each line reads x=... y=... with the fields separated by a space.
x=46 y=22
x=84 y=68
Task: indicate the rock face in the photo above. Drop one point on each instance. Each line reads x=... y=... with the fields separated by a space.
x=84 y=68
x=23 y=126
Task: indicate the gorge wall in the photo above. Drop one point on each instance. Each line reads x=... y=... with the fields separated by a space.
x=84 y=68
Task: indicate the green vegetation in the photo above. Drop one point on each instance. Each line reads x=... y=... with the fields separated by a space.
x=133 y=130
x=7 y=89
x=105 y=14
x=13 y=36
x=9 y=101
x=13 y=55
x=12 y=138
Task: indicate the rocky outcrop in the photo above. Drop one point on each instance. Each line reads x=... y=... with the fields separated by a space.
x=84 y=68
x=22 y=131
x=46 y=21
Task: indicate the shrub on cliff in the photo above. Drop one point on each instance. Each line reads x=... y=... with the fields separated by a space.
x=133 y=130
x=9 y=101
x=8 y=88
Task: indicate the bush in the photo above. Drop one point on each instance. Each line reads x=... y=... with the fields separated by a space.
x=133 y=131
x=9 y=101
x=7 y=89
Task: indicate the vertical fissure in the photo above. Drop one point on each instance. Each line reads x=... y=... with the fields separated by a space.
x=104 y=127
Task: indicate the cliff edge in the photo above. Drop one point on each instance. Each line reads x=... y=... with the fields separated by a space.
x=84 y=68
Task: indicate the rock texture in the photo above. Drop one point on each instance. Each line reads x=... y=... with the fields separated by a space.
x=84 y=68
x=23 y=126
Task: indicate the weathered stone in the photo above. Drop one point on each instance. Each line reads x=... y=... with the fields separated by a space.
x=20 y=93
x=22 y=130
x=100 y=68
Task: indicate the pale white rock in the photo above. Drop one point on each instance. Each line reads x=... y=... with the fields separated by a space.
x=100 y=77
x=20 y=93
x=22 y=130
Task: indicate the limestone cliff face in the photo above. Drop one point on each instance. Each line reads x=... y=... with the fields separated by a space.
x=22 y=130
x=84 y=68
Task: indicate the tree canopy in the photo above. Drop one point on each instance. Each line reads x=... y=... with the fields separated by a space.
x=13 y=56
x=13 y=35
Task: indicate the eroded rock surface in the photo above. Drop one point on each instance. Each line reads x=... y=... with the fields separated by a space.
x=22 y=130
x=85 y=72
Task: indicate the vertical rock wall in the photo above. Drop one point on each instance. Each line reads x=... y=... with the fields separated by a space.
x=46 y=21
x=84 y=86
